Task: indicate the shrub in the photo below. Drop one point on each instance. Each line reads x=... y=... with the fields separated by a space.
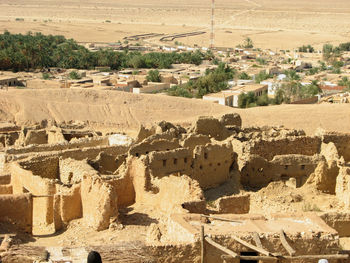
x=46 y=76
x=153 y=76
x=74 y=75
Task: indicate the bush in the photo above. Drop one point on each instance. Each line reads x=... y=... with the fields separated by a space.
x=46 y=76
x=261 y=61
x=153 y=76
x=179 y=92
x=248 y=43
x=74 y=75
x=244 y=75
x=306 y=49
x=262 y=76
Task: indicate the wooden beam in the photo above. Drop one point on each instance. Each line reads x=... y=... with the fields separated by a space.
x=222 y=219
x=285 y=244
x=9 y=234
x=335 y=256
x=257 y=258
x=202 y=244
x=255 y=248
x=222 y=248
x=257 y=240
x=269 y=258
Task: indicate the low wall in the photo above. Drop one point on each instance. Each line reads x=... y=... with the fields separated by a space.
x=258 y=172
x=341 y=141
x=339 y=221
x=17 y=209
x=298 y=145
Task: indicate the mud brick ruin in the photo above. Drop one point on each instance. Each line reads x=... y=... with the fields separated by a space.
x=51 y=174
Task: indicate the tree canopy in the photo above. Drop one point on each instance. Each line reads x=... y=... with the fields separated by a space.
x=36 y=51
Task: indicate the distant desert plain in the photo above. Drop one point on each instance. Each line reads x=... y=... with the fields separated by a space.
x=270 y=24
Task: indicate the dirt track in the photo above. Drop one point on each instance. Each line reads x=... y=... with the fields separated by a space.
x=127 y=111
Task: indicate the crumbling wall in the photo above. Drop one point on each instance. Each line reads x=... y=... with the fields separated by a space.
x=43 y=167
x=294 y=145
x=231 y=119
x=99 y=203
x=325 y=176
x=341 y=141
x=338 y=221
x=169 y=188
x=258 y=172
x=155 y=145
x=68 y=206
x=164 y=163
x=17 y=209
x=107 y=163
x=2 y=162
x=192 y=140
x=235 y=204
x=124 y=188
x=55 y=135
x=72 y=171
x=211 y=127
x=212 y=163
x=23 y=180
x=342 y=189
x=6 y=189
x=35 y=137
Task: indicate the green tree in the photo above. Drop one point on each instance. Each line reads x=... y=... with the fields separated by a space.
x=244 y=75
x=74 y=75
x=248 y=43
x=153 y=76
x=262 y=76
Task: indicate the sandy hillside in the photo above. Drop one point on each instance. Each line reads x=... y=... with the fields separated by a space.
x=126 y=111
x=270 y=23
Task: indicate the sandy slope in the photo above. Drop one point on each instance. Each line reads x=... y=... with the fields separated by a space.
x=126 y=111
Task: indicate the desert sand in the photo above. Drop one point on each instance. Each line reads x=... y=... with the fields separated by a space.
x=270 y=23
x=125 y=111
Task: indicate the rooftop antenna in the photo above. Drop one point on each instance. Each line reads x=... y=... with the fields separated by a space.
x=212 y=24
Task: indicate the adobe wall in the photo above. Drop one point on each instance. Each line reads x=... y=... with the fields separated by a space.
x=211 y=127
x=45 y=168
x=192 y=140
x=342 y=189
x=236 y=204
x=17 y=209
x=339 y=221
x=165 y=163
x=55 y=135
x=106 y=163
x=5 y=189
x=68 y=206
x=22 y=180
x=294 y=145
x=99 y=203
x=2 y=162
x=77 y=153
x=155 y=145
x=124 y=188
x=35 y=137
x=168 y=197
x=72 y=171
x=162 y=192
x=212 y=163
x=258 y=172
x=81 y=143
x=341 y=141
